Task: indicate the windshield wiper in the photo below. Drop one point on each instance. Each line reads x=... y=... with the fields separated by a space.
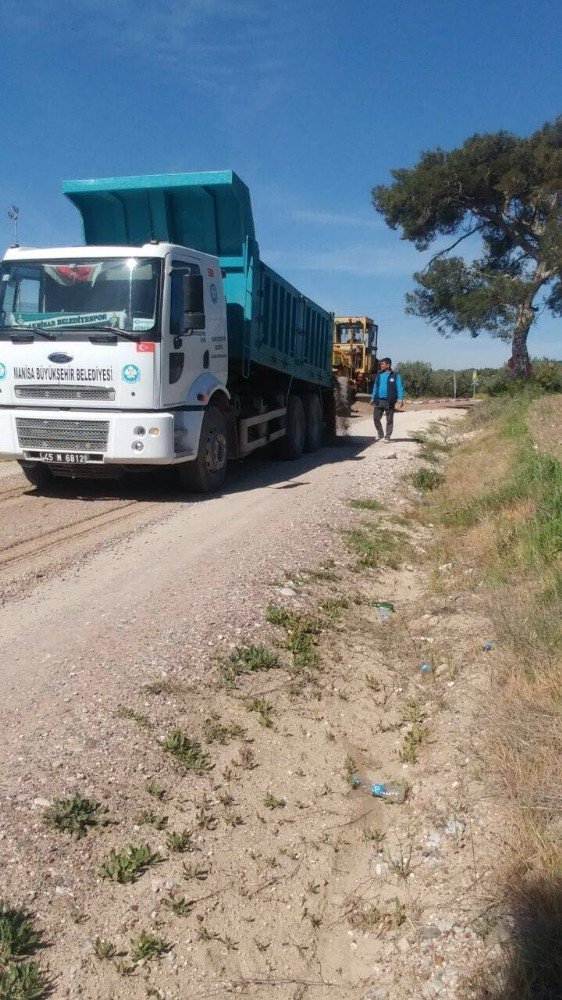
x=111 y=329
x=30 y=329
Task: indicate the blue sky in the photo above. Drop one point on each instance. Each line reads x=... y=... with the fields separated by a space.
x=312 y=102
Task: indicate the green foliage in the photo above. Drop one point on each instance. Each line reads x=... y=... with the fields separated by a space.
x=366 y=505
x=21 y=978
x=188 y=752
x=416 y=376
x=272 y=802
x=504 y=190
x=129 y=864
x=545 y=376
x=263 y=710
x=22 y=981
x=246 y=660
x=75 y=815
x=17 y=937
x=302 y=630
x=426 y=478
x=179 y=841
x=147 y=946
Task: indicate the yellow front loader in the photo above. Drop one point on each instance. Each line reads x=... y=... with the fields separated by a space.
x=354 y=357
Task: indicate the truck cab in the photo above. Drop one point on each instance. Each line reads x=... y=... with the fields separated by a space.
x=139 y=331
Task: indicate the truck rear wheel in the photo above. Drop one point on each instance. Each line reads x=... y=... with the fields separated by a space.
x=207 y=472
x=313 y=421
x=38 y=475
x=291 y=446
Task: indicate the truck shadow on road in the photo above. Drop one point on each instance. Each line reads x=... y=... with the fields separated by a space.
x=258 y=471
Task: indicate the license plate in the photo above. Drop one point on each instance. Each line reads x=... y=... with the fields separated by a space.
x=61 y=457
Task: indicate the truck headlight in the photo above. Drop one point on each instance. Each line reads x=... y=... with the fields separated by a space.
x=137 y=446
x=140 y=431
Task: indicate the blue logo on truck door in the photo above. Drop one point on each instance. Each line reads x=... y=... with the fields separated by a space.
x=3 y=371
x=213 y=291
x=130 y=374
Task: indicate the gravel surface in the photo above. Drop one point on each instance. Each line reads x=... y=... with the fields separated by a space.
x=286 y=907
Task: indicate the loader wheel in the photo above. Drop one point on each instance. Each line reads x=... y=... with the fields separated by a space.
x=313 y=421
x=207 y=472
x=37 y=474
x=291 y=446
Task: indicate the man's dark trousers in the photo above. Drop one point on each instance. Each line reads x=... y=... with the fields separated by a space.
x=378 y=412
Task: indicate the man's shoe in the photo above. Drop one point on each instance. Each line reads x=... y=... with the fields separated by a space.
x=386 y=440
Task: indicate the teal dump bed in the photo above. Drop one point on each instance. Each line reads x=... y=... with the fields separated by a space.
x=269 y=321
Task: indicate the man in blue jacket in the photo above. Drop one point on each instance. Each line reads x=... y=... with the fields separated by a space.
x=388 y=391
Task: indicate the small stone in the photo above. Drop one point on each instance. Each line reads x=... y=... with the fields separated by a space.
x=287 y=592
x=403 y=945
x=43 y=803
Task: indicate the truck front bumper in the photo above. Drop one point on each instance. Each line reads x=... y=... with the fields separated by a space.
x=98 y=437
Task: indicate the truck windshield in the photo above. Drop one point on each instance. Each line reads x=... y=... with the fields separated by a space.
x=80 y=294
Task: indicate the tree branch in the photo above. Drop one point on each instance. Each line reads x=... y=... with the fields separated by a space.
x=453 y=245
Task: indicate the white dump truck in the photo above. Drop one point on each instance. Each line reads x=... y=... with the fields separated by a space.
x=164 y=340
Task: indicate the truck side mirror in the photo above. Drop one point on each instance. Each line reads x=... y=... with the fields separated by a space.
x=193 y=303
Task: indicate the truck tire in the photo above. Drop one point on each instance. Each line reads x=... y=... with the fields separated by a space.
x=207 y=472
x=312 y=421
x=37 y=474
x=291 y=446
x=343 y=397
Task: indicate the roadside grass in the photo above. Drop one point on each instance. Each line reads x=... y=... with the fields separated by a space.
x=426 y=478
x=376 y=545
x=499 y=517
x=366 y=505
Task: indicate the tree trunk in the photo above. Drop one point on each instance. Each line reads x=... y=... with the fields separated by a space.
x=519 y=363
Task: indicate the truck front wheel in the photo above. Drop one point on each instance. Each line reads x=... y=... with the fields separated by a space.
x=207 y=472
x=38 y=475
x=292 y=445
x=313 y=421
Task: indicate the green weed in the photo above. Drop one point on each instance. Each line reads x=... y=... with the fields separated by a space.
x=411 y=743
x=129 y=864
x=147 y=817
x=366 y=505
x=155 y=790
x=17 y=936
x=75 y=815
x=426 y=479
x=179 y=841
x=187 y=752
x=22 y=981
x=147 y=946
x=216 y=731
x=142 y=720
x=104 y=949
x=271 y=802
x=246 y=660
x=263 y=709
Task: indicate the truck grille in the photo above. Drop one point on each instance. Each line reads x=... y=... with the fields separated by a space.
x=67 y=435
x=63 y=392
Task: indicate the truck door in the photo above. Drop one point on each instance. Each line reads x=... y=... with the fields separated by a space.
x=184 y=354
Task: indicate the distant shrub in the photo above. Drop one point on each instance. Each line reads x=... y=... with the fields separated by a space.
x=546 y=376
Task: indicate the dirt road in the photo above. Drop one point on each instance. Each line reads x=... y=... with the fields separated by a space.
x=106 y=588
